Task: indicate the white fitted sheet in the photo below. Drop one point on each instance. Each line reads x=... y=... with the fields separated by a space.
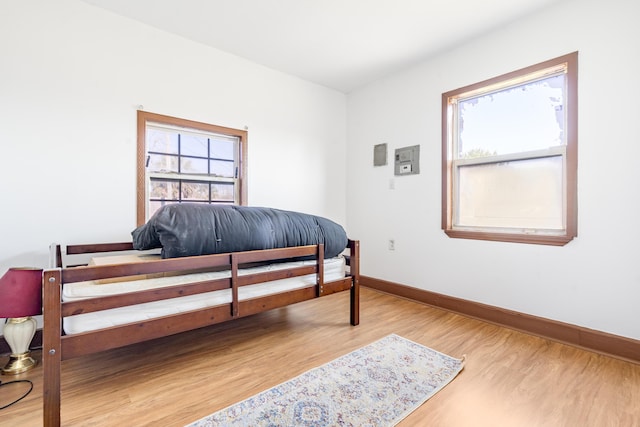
x=334 y=269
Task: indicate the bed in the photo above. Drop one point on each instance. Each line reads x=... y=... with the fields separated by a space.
x=131 y=292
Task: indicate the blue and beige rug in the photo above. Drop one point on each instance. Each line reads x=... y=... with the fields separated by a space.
x=376 y=385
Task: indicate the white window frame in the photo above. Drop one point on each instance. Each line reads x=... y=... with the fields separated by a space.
x=451 y=164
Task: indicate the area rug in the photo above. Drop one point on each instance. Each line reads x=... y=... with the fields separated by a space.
x=376 y=385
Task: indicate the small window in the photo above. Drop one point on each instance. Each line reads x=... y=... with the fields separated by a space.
x=510 y=156
x=185 y=161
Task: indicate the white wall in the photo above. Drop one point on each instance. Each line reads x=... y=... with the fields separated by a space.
x=594 y=281
x=71 y=77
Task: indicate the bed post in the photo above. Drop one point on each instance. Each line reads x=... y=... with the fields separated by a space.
x=354 y=267
x=235 y=306
x=51 y=346
x=55 y=256
x=320 y=270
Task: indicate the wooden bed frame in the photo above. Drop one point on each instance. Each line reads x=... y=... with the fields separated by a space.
x=58 y=347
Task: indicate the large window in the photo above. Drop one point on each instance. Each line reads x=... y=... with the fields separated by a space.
x=185 y=161
x=509 y=156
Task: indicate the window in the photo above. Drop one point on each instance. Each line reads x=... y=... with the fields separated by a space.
x=185 y=161
x=509 y=156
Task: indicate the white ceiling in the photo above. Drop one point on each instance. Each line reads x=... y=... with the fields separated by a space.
x=341 y=44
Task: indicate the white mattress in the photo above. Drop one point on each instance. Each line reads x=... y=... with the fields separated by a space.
x=334 y=269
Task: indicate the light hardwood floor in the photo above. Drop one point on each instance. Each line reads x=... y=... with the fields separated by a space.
x=510 y=378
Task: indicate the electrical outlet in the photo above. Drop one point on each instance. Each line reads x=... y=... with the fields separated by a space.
x=392 y=245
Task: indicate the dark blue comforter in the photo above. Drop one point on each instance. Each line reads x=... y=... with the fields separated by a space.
x=188 y=229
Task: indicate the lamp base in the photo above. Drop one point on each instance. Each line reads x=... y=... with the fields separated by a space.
x=19 y=332
x=19 y=363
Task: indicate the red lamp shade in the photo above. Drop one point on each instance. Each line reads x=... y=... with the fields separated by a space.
x=21 y=292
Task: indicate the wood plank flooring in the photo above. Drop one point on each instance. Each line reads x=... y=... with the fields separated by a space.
x=510 y=378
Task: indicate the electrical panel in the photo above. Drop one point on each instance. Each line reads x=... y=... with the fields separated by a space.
x=407 y=160
x=380 y=155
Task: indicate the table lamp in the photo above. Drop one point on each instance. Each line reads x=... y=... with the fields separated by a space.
x=20 y=298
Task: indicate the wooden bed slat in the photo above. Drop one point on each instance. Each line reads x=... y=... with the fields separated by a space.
x=267 y=276
x=336 y=286
x=90 y=305
x=278 y=253
x=99 y=248
x=119 y=336
x=97 y=272
x=258 y=305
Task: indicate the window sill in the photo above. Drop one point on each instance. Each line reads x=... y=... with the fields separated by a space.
x=533 y=239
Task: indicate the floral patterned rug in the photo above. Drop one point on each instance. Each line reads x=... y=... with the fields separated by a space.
x=376 y=385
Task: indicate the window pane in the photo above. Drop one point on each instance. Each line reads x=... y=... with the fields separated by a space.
x=191 y=165
x=194 y=145
x=222 y=192
x=195 y=191
x=518 y=119
x=222 y=148
x=222 y=168
x=164 y=190
x=162 y=163
x=162 y=141
x=516 y=194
